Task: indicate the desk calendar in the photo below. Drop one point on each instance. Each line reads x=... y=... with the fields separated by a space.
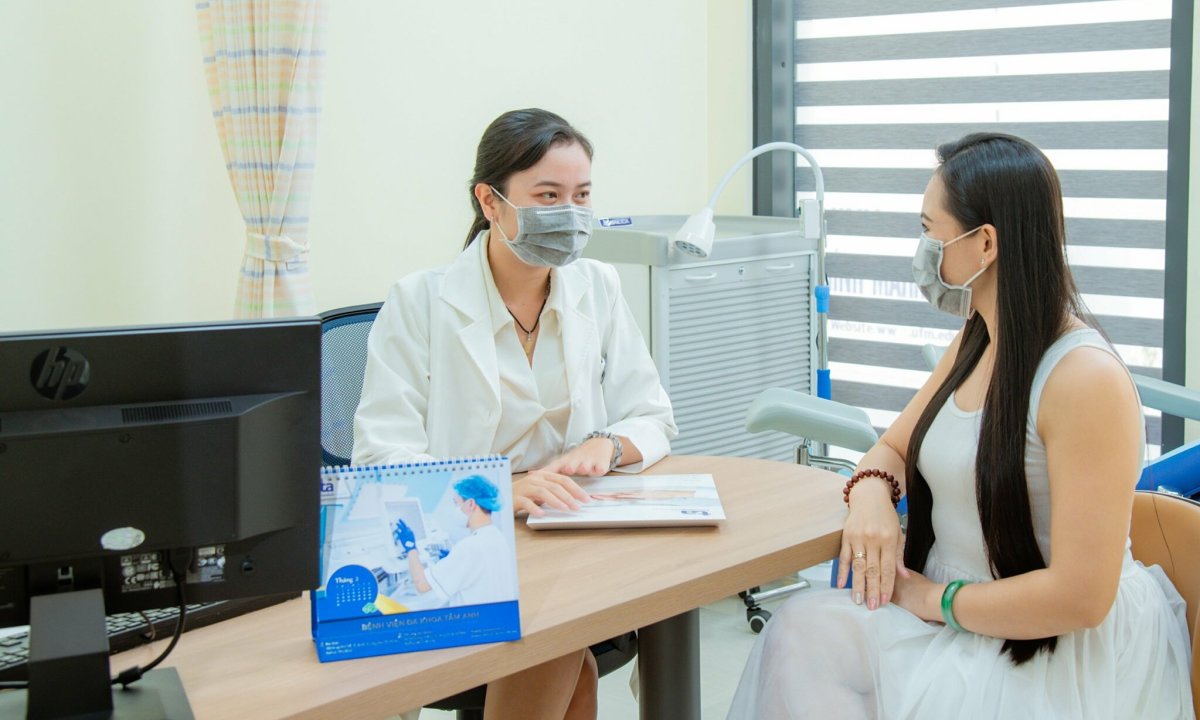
x=415 y=556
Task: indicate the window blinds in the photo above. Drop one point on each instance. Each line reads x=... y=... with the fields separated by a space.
x=879 y=85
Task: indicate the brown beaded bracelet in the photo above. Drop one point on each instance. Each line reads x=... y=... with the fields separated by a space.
x=873 y=472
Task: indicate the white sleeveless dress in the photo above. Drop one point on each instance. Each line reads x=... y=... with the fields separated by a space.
x=821 y=656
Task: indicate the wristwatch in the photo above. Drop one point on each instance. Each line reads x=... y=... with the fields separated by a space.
x=616 y=441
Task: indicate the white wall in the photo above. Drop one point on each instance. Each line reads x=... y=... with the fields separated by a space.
x=730 y=101
x=114 y=203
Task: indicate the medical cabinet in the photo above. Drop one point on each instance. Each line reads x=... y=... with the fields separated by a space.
x=721 y=328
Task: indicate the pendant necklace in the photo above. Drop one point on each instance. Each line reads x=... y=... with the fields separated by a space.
x=528 y=344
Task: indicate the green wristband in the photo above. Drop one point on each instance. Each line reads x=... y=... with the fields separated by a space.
x=948 y=604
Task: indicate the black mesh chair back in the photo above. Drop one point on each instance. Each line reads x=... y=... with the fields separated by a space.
x=343 y=360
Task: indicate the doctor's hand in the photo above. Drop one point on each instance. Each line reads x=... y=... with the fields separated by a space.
x=404 y=535
x=591 y=458
x=544 y=487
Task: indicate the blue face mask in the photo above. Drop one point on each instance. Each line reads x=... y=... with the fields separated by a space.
x=927 y=273
x=548 y=236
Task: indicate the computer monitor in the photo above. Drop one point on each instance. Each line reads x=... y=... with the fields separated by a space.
x=130 y=455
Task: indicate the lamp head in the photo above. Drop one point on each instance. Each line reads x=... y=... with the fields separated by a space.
x=696 y=235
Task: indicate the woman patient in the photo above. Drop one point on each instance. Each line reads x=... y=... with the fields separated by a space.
x=1014 y=594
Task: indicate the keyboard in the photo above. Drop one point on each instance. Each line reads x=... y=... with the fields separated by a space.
x=129 y=630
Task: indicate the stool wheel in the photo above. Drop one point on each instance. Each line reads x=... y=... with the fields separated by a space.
x=757 y=619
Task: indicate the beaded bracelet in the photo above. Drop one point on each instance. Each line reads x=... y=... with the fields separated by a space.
x=948 y=604
x=873 y=472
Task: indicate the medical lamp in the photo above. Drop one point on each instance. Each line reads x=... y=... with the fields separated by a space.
x=696 y=238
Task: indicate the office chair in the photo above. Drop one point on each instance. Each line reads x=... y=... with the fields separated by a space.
x=1166 y=532
x=343 y=360
x=344 y=335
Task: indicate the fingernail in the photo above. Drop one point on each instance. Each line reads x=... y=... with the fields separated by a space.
x=872 y=603
x=858 y=598
x=884 y=599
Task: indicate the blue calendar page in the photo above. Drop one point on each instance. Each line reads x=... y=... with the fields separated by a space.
x=415 y=557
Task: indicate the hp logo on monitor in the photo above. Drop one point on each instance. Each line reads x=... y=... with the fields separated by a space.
x=60 y=373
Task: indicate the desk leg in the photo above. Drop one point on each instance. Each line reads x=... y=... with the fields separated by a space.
x=669 y=668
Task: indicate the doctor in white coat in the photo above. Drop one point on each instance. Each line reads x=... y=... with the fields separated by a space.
x=521 y=348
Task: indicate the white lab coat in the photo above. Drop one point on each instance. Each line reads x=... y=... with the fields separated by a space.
x=432 y=386
x=479 y=569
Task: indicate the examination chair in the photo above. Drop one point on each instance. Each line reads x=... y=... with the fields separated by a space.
x=816 y=422
x=343 y=360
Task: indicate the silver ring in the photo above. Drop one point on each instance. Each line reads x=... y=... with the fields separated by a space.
x=860 y=555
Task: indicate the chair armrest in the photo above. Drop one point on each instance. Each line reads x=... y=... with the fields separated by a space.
x=932 y=354
x=811 y=417
x=1168 y=397
x=1176 y=472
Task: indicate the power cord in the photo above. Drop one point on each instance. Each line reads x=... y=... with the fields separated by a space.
x=131 y=675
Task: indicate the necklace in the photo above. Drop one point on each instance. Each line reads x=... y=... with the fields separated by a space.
x=528 y=343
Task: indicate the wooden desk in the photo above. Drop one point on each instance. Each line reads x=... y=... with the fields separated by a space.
x=578 y=587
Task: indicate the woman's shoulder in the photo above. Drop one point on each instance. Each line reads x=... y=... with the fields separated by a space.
x=1081 y=354
x=1086 y=375
x=413 y=296
x=419 y=282
x=1086 y=366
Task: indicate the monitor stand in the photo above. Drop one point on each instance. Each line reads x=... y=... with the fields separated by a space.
x=69 y=669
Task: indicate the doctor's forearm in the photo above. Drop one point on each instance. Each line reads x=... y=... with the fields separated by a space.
x=417 y=571
x=630 y=454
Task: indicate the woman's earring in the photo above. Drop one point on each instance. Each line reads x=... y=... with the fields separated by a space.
x=982 y=262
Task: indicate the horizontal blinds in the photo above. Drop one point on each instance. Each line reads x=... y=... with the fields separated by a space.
x=879 y=85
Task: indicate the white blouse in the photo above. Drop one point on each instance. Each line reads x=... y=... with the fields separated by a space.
x=534 y=402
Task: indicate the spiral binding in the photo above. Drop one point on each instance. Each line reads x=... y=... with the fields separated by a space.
x=359 y=472
x=419 y=468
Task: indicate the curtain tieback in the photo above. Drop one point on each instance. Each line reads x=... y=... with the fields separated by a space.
x=276 y=248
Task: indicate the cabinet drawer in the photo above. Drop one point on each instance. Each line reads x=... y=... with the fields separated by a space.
x=699 y=276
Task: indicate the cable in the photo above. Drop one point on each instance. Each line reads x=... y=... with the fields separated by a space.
x=151 y=634
x=131 y=675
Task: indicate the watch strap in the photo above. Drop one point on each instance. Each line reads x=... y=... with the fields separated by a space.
x=616 y=441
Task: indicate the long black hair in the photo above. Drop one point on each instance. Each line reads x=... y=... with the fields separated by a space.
x=1004 y=181
x=516 y=141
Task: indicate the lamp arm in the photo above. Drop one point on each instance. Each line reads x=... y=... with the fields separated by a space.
x=821 y=288
x=818 y=184
x=766 y=148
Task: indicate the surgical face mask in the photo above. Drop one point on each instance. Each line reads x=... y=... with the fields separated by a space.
x=927 y=272
x=549 y=236
x=464 y=514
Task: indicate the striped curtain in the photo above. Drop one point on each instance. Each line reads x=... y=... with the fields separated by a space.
x=263 y=62
x=878 y=85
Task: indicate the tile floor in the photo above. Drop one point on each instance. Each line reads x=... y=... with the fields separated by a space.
x=725 y=642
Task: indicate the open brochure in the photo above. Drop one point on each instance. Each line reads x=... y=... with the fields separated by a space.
x=640 y=501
